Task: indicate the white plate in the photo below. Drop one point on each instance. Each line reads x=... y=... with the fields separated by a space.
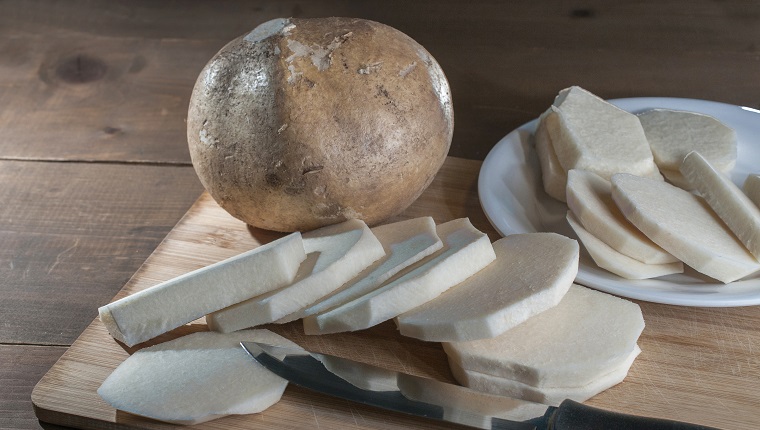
x=514 y=201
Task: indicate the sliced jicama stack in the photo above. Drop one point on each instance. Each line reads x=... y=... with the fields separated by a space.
x=502 y=295
x=171 y=304
x=466 y=251
x=589 y=197
x=588 y=334
x=195 y=378
x=554 y=177
x=546 y=395
x=342 y=251
x=594 y=135
x=405 y=243
x=684 y=225
x=620 y=264
x=726 y=199
x=751 y=188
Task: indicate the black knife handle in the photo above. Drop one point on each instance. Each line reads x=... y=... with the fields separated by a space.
x=571 y=415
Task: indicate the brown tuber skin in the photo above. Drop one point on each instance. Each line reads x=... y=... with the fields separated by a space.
x=303 y=123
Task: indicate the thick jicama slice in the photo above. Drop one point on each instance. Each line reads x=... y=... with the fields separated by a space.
x=466 y=251
x=547 y=395
x=622 y=265
x=751 y=188
x=405 y=243
x=589 y=197
x=587 y=334
x=672 y=134
x=342 y=251
x=684 y=225
x=594 y=135
x=171 y=304
x=504 y=294
x=554 y=177
x=726 y=199
x=195 y=378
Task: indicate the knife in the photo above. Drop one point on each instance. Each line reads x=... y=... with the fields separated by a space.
x=401 y=392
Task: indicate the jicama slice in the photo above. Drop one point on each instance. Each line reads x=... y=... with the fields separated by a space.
x=547 y=395
x=676 y=178
x=554 y=177
x=622 y=265
x=342 y=251
x=502 y=295
x=594 y=135
x=684 y=225
x=751 y=188
x=171 y=304
x=195 y=378
x=466 y=251
x=589 y=197
x=672 y=134
x=587 y=334
x=405 y=243
x=726 y=199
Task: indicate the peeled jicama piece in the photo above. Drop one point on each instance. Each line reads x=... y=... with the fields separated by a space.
x=554 y=177
x=547 y=395
x=405 y=243
x=672 y=134
x=502 y=295
x=589 y=197
x=594 y=135
x=751 y=188
x=726 y=199
x=171 y=304
x=589 y=333
x=466 y=251
x=195 y=378
x=684 y=225
x=341 y=250
x=622 y=265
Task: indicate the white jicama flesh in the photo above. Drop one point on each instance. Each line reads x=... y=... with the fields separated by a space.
x=502 y=295
x=195 y=378
x=547 y=395
x=594 y=135
x=751 y=189
x=171 y=304
x=589 y=197
x=466 y=251
x=684 y=225
x=589 y=333
x=341 y=251
x=726 y=199
x=405 y=243
x=622 y=265
x=672 y=134
x=554 y=177
x=676 y=178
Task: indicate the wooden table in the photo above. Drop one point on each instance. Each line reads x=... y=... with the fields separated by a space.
x=95 y=171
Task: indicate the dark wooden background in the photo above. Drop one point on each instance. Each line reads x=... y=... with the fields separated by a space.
x=94 y=168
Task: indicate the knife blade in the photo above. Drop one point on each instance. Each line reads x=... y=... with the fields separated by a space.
x=424 y=397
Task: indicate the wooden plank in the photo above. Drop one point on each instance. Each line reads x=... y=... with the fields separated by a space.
x=697 y=364
x=73 y=234
x=104 y=85
x=21 y=367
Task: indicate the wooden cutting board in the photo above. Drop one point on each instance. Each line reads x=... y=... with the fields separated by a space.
x=697 y=365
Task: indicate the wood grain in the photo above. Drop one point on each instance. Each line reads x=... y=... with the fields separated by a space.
x=114 y=83
x=20 y=369
x=72 y=235
x=697 y=364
